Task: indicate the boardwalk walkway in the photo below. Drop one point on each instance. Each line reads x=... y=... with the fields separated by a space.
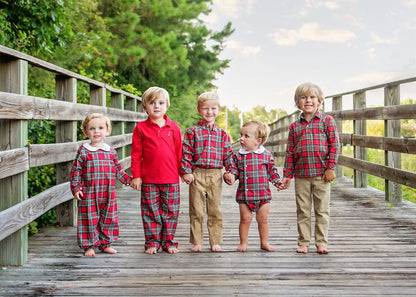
x=372 y=252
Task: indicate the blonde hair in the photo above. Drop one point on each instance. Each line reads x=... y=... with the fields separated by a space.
x=154 y=93
x=209 y=96
x=262 y=130
x=92 y=116
x=307 y=89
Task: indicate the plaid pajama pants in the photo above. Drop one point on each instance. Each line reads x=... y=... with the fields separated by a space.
x=160 y=210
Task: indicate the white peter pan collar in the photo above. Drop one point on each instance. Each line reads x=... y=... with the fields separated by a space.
x=260 y=150
x=91 y=148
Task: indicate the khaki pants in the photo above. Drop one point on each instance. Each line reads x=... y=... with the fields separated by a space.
x=312 y=190
x=205 y=193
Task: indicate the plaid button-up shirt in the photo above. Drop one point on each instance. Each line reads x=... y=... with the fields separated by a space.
x=312 y=147
x=206 y=147
x=255 y=171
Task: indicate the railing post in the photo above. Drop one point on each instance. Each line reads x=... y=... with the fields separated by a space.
x=117 y=128
x=131 y=104
x=66 y=131
x=337 y=105
x=13 y=134
x=392 y=159
x=360 y=128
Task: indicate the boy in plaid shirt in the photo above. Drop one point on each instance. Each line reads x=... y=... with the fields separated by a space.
x=255 y=169
x=155 y=161
x=311 y=155
x=206 y=150
x=93 y=183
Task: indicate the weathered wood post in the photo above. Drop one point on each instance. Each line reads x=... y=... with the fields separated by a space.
x=131 y=104
x=66 y=131
x=337 y=105
x=392 y=159
x=13 y=134
x=360 y=153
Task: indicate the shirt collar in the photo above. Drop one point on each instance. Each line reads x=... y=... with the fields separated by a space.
x=205 y=125
x=91 y=148
x=260 y=150
x=317 y=114
x=167 y=119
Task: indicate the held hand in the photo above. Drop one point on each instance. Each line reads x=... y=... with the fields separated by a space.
x=79 y=195
x=285 y=183
x=329 y=175
x=229 y=178
x=188 y=178
x=136 y=183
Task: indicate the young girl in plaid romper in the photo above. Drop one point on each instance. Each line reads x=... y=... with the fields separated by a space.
x=93 y=180
x=255 y=169
x=155 y=160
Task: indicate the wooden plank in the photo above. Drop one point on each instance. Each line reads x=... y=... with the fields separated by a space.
x=13 y=162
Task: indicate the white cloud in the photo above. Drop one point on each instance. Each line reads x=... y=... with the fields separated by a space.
x=378 y=40
x=318 y=4
x=311 y=32
x=371 y=52
x=242 y=49
x=410 y=3
x=230 y=8
x=372 y=77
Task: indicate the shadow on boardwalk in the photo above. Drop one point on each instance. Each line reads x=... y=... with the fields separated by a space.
x=372 y=252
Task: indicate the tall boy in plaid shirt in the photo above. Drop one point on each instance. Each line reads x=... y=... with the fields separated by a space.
x=155 y=161
x=311 y=156
x=255 y=169
x=206 y=150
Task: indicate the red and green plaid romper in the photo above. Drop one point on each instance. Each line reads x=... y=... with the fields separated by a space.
x=94 y=172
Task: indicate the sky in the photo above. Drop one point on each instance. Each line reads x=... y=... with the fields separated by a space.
x=339 y=45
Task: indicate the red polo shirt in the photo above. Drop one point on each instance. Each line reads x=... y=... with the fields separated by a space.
x=156 y=152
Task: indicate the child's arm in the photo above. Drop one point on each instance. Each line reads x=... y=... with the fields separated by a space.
x=79 y=195
x=229 y=178
x=136 y=183
x=187 y=155
x=188 y=178
x=329 y=175
x=285 y=183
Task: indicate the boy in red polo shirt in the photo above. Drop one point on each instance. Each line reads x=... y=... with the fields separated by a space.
x=155 y=161
x=206 y=150
x=311 y=155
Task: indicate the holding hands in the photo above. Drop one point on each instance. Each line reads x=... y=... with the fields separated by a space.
x=229 y=178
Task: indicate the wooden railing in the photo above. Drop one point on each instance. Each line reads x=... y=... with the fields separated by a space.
x=17 y=156
x=392 y=143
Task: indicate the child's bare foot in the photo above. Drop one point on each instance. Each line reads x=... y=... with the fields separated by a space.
x=172 y=250
x=109 y=250
x=302 y=249
x=267 y=247
x=196 y=248
x=322 y=250
x=242 y=248
x=216 y=248
x=89 y=252
x=151 y=250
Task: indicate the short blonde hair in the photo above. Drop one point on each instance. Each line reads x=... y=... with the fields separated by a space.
x=154 y=93
x=209 y=96
x=262 y=130
x=307 y=89
x=92 y=116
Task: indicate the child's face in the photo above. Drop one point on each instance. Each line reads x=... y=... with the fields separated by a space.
x=248 y=139
x=96 y=131
x=209 y=111
x=156 y=109
x=309 y=104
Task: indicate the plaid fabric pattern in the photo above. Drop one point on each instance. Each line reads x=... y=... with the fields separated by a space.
x=207 y=148
x=160 y=211
x=255 y=171
x=94 y=173
x=312 y=147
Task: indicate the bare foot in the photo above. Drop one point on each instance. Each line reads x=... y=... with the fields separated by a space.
x=196 y=248
x=151 y=250
x=322 y=250
x=89 y=253
x=267 y=247
x=215 y=248
x=302 y=249
x=172 y=250
x=242 y=248
x=109 y=250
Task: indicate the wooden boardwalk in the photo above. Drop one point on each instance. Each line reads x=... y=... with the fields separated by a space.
x=372 y=252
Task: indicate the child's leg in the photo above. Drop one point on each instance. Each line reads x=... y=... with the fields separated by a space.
x=89 y=252
x=245 y=220
x=108 y=223
x=321 y=198
x=151 y=218
x=213 y=178
x=262 y=218
x=303 y=210
x=170 y=199
x=197 y=201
